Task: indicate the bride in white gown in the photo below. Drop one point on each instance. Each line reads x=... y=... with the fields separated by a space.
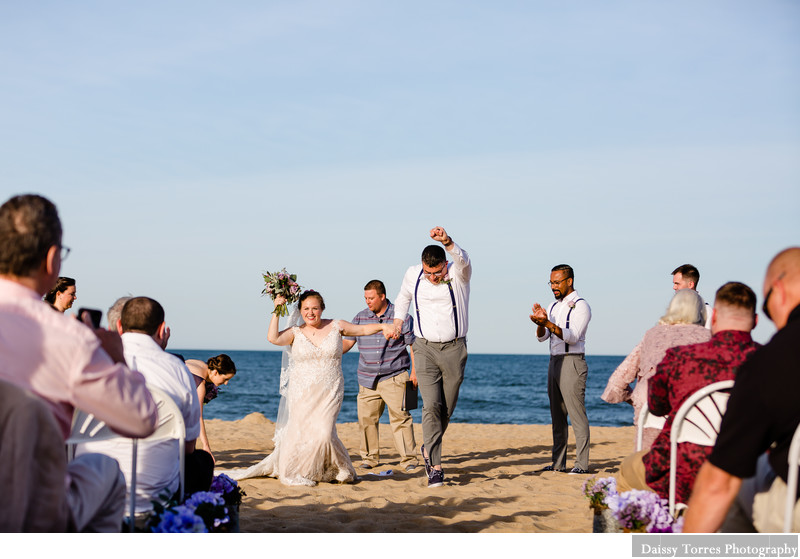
x=307 y=448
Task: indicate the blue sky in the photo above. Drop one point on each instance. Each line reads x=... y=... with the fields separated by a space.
x=190 y=146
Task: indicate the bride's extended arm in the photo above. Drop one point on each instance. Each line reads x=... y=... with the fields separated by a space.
x=284 y=337
x=349 y=329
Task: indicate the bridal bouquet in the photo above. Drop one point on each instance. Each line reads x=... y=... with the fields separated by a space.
x=284 y=284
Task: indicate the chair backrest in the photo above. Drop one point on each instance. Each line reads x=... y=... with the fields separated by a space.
x=647 y=421
x=697 y=421
x=170 y=426
x=34 y=466
x=88 y=428
x=791 y=481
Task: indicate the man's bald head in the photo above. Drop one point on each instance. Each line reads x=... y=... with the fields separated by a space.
x=782 y=286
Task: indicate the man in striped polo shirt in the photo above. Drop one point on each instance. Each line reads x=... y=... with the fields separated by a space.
x=384 y=366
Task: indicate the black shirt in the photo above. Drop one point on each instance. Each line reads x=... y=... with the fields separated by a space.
x=764 y=408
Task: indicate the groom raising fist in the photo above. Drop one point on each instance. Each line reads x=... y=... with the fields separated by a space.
x=440 y=291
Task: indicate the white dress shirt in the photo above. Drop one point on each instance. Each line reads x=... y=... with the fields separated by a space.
x=434 y=320
x=157 y=467
x=575 y=335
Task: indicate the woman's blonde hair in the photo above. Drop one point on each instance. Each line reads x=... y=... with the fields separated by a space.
x=686 y=307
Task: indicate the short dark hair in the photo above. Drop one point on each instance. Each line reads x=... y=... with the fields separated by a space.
x=736 y=294
x=376 y=285
x=222 y=363
x=310 y=293
x=564 y=268
x=433 y=255
x=29 y=226
x=688 y=272
x=62 y=283
x=142 y=314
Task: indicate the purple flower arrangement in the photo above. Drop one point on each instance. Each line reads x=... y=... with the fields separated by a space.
x=204 y=511
x=634 y=510
x=598 y=491
x=180 y=519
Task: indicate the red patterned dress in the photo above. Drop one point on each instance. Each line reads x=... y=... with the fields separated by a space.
x=685 y=370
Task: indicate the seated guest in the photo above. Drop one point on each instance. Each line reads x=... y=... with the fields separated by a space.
x=208 y=376
x=745 y=476
x=681 y=325
x=115 y=314
x=62 y=295
x=684 y=371
x=157 y=469
x=64 y=362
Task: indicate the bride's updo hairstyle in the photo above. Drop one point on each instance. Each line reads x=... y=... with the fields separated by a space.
x=310 y=293
x=222 y=363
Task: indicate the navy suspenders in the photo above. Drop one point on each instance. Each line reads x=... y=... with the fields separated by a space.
x=416 y=304
x=550 y=313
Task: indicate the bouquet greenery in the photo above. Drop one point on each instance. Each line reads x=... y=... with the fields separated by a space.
x=281 y=284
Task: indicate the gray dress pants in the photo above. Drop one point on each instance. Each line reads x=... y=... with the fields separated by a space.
x=566 y=388
x=440 y=371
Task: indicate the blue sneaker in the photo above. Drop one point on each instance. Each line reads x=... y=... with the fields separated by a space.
x=426 y=460
x=436 y=478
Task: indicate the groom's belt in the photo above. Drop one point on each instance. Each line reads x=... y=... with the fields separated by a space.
x=439 y=344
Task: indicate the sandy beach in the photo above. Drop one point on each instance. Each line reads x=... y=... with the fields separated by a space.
x=493 y=483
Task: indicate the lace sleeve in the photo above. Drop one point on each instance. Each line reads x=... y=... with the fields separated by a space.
x=618 y=388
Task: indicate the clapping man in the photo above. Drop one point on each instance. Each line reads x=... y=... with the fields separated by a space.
x=565 y=324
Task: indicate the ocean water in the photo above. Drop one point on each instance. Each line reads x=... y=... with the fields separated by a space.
x=496 y=389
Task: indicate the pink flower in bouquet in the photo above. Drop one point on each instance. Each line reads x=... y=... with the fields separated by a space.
x=282 y=284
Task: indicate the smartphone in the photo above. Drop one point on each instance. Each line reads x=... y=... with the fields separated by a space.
x=95 y=315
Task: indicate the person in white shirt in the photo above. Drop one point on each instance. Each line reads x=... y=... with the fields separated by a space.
x=565 y=324
x=687 y=277
x=440 y=291
x=157 y=472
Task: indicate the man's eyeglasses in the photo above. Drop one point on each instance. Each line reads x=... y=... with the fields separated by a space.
x=557 y=282
x=764 y=308
x=65 y=252
x=437 y=273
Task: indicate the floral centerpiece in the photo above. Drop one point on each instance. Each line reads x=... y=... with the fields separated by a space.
x=216 y=510
x=641 y=511
x=629 y=511
x=598 y=490
x=281 y=284
x=179 y=519
x=229 y=490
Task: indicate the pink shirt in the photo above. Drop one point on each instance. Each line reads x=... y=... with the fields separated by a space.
x=60 y=359
x=641 y=364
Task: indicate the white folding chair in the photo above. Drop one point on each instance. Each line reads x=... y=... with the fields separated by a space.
x=649 y=421
x=697 y=421
x=791 y=481
x=88 y=428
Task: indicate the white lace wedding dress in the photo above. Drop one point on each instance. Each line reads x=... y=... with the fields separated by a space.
x=307 y=448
